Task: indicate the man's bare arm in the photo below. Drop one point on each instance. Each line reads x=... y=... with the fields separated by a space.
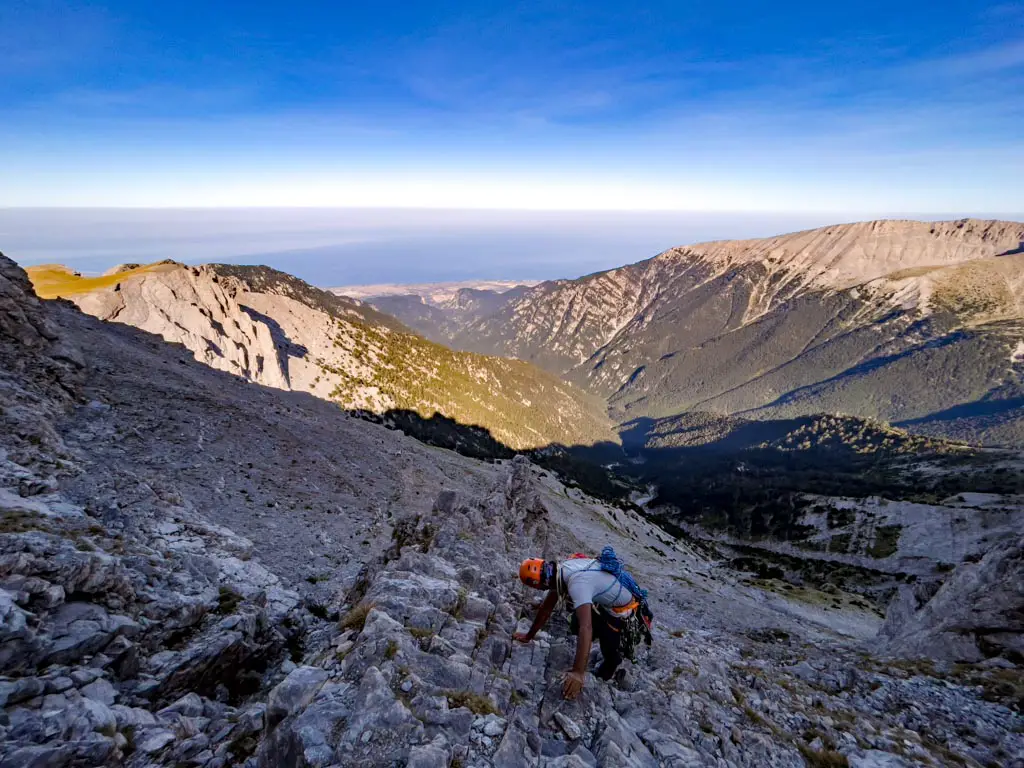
x=584 y=639
x=543 y=614
x=574 y=678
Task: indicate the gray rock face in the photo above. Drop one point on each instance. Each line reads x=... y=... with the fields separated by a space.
x=208 y=573
x=696 y=703
x=294 y=693
x=101 y=691
x=433 y=755
x=977 y=614
x=92 y=596
x=126 y=610
x=569 y=726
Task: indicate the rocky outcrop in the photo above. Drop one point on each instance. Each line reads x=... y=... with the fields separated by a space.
x=426 y=672
x=125 y=631
x=977 y=614
x=273 y=329
x=192 y=307
x=141 y=645
x=22 y=321
x=39 y=367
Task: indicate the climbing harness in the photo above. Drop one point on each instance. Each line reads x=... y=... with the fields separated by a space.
x=635 y=618
x=638 y=622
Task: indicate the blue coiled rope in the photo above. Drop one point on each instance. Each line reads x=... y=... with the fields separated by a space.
x=610 y=562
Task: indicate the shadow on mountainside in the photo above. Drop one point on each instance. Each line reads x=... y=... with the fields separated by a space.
x=707 y=432
x=277 y=333
x=749 y=479
x=742 y=494
x=1014 y=251
x=285 y=345
x=584 y=465
x=968 y=410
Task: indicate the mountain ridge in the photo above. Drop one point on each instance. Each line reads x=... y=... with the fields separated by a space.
x=439 y=311
x=275 y=329
x=733 y=326
x=438 y=293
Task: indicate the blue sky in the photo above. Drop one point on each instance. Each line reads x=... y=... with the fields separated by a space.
x=875 y=107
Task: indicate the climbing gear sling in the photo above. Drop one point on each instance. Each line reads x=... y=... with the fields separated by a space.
x=636 y=618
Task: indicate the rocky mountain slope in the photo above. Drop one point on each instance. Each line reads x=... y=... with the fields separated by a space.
x=274 y=329
x=828 y=499
x=908 y=322
x=441 y=315
x=196 y=570
x=442 y=294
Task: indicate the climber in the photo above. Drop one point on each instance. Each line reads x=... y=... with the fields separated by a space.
x=600 y=604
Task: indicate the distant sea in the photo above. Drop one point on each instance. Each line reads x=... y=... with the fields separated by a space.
x=347 y=246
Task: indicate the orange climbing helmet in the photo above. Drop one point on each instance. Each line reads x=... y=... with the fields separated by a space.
x=536 y=573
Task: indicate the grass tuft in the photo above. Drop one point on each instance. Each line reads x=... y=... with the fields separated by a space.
x=22 y=521
x=826 y=758
x=474 y=702
x=460 y=605
x=227 y=600
x=356 y=618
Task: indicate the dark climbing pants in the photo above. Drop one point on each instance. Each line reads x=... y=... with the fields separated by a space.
x=608 y=633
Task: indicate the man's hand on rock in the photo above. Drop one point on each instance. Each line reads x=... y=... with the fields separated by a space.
x=522 y=637
x=573 y=685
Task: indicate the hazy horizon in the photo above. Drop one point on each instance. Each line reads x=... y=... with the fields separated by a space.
x=333 y=247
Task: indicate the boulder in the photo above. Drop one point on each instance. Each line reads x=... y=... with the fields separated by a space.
x=15 y=636
x=101 y=691
x=132 y=717
x=16 y=691
x=86 y=716
x=189 y=705
x=433 y=755
x=513 y=750
x=619 y=745
x=566 y=761
x=79 y=629
x=95 y=750
x=304 y=739
x=294 y=693
x=977 y=614
x=151 y=741
x=569 y=727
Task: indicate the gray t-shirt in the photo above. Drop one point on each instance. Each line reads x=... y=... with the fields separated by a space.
x=583 y=583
